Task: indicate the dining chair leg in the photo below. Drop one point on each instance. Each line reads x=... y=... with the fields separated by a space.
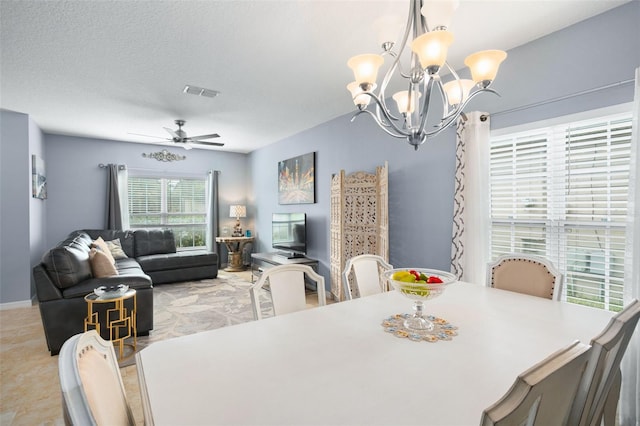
x=611 y=404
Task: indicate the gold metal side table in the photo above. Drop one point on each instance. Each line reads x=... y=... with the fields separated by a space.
x=119 y=321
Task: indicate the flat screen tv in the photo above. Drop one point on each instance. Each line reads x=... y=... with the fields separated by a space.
x=289 y=234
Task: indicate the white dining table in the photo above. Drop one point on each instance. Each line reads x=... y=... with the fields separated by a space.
x=335 y=365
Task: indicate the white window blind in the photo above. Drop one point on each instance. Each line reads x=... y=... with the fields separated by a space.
x=561 y=193
x=175 y=203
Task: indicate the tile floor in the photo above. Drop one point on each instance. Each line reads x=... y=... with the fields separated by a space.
x=29 y=386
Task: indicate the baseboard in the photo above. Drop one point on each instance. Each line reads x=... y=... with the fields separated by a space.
x=14 y=305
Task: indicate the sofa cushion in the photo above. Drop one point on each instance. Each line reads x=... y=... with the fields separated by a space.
x=101 y=245
x=68 y=263
x=126 y=238
x=179 y=260
x=154 y=241
x=116 y=249
x=101 y=265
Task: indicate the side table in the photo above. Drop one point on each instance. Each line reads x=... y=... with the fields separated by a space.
x=235 y=246
x=119 y=321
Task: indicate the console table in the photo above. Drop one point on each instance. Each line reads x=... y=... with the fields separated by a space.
x=260 y=261
x=235 y=246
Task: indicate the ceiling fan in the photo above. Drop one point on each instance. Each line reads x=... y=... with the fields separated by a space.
x=179 y=136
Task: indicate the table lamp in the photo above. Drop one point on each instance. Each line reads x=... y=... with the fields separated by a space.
x=237 y=211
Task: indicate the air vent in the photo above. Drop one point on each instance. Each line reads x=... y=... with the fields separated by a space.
x=200 y=91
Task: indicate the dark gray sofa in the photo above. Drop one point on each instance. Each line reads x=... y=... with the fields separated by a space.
x=64 y=277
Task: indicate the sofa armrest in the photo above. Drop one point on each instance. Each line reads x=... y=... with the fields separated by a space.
x=45 y=288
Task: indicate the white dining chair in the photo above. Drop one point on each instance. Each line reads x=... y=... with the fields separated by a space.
x=364 y=271
x=287 y=287
x=597 y=398
x=542 y=395
x=92 y=388
x=525 y=273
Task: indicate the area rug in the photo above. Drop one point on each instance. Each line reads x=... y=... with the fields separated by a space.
x=190 y=307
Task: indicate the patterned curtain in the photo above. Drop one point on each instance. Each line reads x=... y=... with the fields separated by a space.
x=470 y=249
x=457 y=243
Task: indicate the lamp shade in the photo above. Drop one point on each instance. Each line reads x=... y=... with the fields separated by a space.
x=238 y=211
x=356 y=93
x=484 y=65
x=432 y=48
x=406 y=104
x=365 y=68
x=458 y=90
x=438 y=13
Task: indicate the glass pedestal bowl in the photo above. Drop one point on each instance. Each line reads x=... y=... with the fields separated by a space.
x=419 y=292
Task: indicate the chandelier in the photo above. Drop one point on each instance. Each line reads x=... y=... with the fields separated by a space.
x=427 y=23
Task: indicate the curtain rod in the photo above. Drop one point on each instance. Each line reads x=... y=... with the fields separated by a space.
x=561 y=98
x=120 y=166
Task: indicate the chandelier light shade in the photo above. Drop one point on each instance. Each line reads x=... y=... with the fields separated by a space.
x=365 y=69
x=427 y=24
x=458 y=90
x=484 y=65
x=357 y=93
x=406 y=101
x=432 y=48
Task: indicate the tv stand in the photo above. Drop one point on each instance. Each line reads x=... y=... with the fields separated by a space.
x=292 y=255
x=262 y=261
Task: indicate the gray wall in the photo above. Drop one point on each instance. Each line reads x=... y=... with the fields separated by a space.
x=600 y=51
x=77 y=195
x=594 y=53
x=22 y=218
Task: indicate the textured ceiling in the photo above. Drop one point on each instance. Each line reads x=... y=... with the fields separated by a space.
x=106 y=69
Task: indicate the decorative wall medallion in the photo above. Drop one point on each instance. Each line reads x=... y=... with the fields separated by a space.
x=164 y=155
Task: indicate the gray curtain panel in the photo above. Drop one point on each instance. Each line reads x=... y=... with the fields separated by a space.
x=114 y=210
x=214 y=226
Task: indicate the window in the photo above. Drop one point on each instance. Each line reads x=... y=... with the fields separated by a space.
x=561 y=192
x=175 y=203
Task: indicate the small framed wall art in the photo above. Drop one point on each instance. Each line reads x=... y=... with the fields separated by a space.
x=38 y=178
x=297 y=180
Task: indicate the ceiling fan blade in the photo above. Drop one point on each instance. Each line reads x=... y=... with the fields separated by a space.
x=201 y=137
x=187 y=145
x=172 y=133
x=208 y=143
x=149 y=136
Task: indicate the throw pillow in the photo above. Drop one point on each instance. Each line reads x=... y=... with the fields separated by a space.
x=100 y=244
x=101 y=266
x=116 y=249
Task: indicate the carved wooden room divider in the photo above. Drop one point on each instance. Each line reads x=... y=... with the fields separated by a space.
x=359 y=220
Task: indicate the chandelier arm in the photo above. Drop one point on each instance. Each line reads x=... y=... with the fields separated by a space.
x=387 y=116
x=385 y=121
x=456 y=78
x=444 y=124
x=425 y=105
x=381 y=125
x=385 y=82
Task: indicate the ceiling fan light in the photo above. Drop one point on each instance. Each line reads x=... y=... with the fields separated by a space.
x=453 y=88
x=432 y=48
x=484 y=65
x=365 y=69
